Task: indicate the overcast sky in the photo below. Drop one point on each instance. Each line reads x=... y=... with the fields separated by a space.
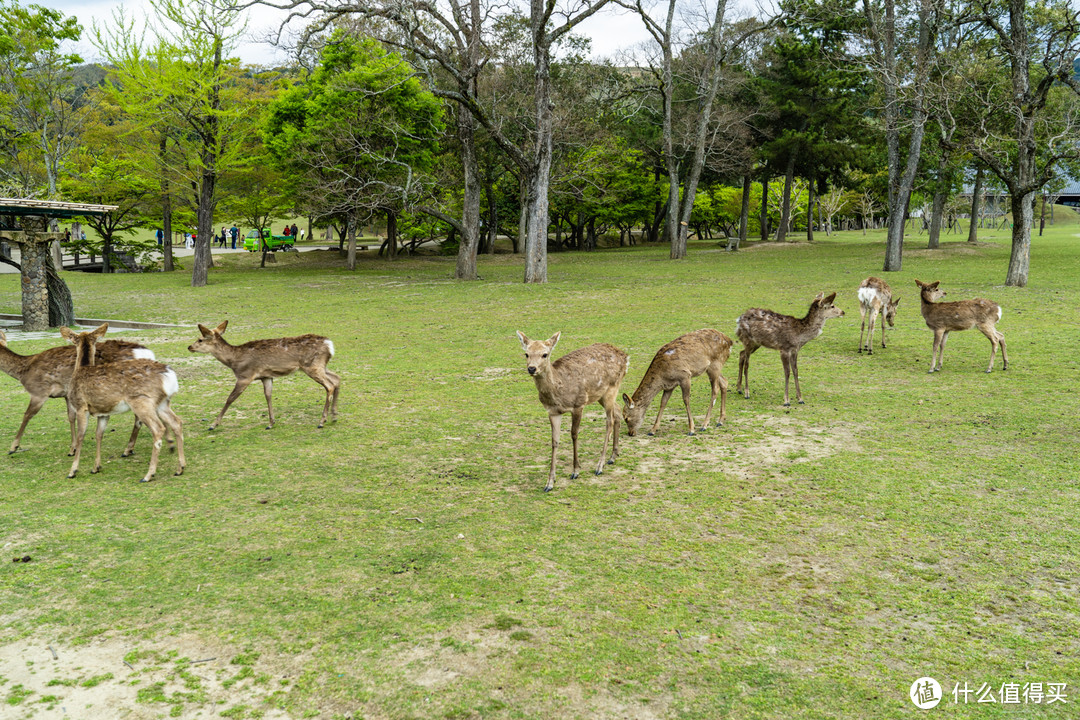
x=610 y=31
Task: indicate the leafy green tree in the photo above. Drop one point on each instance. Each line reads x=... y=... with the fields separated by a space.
x=357 y=134
x=42 y=108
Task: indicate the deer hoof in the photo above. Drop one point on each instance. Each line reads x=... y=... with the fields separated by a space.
x=71 y=475
x=719 y=423
x=147 y=479
x=801 y=402
x=548 y=488
x=691 y=433
x=574 y=476
x=869 y=352
x=787 y=404
x=650 y=433
x=178 y=473
x=127 y=454
x=611 y=461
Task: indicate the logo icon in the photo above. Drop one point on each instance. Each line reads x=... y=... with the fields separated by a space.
x=925 y=693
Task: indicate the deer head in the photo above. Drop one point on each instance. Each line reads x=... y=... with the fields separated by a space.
x=85 y=343
x=825 y=306
x=930 y=291
x=633 y=414
x=537 y=353
x=890 y=311
x=210 y=338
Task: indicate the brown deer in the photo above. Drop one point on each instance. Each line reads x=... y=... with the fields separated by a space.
x=875 y=296
x=589 y=374
x=944 y=317
x=757 y=328
x=268 y=359
x=47 y=374
x=144 y=387
x=674 y=365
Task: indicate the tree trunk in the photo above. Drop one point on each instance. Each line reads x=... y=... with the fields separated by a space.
x=744 y=214
x=1042 y=215
x=976 y=206
x=166 y=208
x=61 y=308
x=492 y=218
x=765 y=209
x=391 y=234
x=810 y=198
x=785 y=204
x=470 y=212
x=936 y=212
x=1021 y=240
x=203 y=259
x=523 y=216
x=350 y=230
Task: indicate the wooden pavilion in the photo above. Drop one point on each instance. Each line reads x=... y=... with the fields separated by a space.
x=25 y=223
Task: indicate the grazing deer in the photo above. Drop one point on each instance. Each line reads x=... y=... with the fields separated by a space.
x=268 y=359
x=590 y=374
x=674 y=365
x=757 y=328
x=144 y=387
x=875 y=296
x=47 y=374
x=944 y=317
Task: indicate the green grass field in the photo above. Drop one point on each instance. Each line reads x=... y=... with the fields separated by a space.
x=808 y=562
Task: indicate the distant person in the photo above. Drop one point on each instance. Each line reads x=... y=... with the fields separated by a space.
x=293 y=229
x=235 y=233
x=83 y=233
x=286 y=231
x=160 y=237
x=223 y=238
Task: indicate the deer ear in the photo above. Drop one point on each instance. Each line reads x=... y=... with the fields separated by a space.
x=100 y=331
x=67 y=334
x=221 y=328
x=3 y=339
x=920 y=284
x=627 y=400
x=523 y=340
x=204 y=330
x=934 y=284
x=554 y=340
x=829 y=300
x=896 y=301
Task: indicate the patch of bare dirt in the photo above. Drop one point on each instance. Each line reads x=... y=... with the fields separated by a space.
x=113 y=678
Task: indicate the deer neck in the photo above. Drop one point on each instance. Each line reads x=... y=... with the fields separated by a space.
x=226 y=353
x=13 y=363
x=809 y=327
x=926 y=305
x=650 y=385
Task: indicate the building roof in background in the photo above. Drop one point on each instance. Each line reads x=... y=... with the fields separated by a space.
x=51 y=208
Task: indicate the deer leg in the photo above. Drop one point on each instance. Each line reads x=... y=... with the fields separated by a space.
x=173 y=423
x=268 y=390
x=149 y=418
x=575 y=425
x=556 y=420
x=336 y=379
x=241 y=385
x=934 y=351
x=882 y=329
x=723 y=400
x=787 y=377
x=941 y=350
x=870 y=339
x=130 y=449
x=609 y=422
x=321 y=376
x=991 y=335
x=795 y=372
x=1004 y=355
x=744 y=372
x=862 y=328
x=685 y=387
x=32 y=410
x=80 y=433
x=714 y=383
x=663 y=404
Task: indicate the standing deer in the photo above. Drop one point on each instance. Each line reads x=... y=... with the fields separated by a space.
x=268 y=359
x=674 y=365
x=589 y=374
x=944 y=317
x=757 y=328
x=875 y=296
x=47 y=374
x=144 y=387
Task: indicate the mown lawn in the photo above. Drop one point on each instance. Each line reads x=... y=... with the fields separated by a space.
x=403 y=562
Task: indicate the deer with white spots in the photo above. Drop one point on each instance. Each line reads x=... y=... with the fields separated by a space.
x=875 y=296
x=674 y=365
x=145 y=387
x=268 y=359
x=764 y=328
x=48 y=373
x=944 y=317
x=587 y=375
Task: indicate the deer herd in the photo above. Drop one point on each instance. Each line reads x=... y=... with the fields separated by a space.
x=594 y=373
x=103 y=378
